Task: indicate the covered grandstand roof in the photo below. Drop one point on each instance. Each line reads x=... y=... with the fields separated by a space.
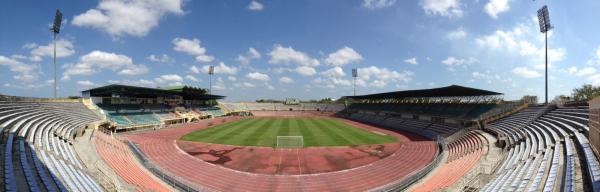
x=449 y=91
x=113 y=90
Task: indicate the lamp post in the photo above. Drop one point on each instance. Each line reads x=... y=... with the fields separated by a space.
x=354 y=75
x=545 y=26
x=55 y=30
x=211 y=71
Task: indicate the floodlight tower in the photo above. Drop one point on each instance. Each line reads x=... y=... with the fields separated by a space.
x=211 y=71
x=545 y=26
x=354 y=75
x=55 y=30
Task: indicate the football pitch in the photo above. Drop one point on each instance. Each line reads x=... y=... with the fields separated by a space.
x=263 y=131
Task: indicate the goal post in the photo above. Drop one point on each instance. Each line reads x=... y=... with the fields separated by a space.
x=290 y=141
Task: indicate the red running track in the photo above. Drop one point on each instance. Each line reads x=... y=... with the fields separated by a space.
x=161 y=148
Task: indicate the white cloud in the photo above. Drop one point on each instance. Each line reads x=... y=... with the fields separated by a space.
x=255 y=6
x=594 y=79
x=488 y=77
x=85 y=83
x=287 y=55
x=378 y=83
x=127 y=17
x=343 y=56
x=518 y=41
x=170 y=79
x=412 y=61
x=191 y=78
x=572 y=70
x=452 y=62
x=377 y=4
x=383 y=75
x=286 y=80
x=219 y=85
x=232 y=78
x=596 y=58
x=25 y=72
x=164 y=58
x=221 y=68
x=306 y=71
x=97 y=61
x=258 y=76
x=246 y=58
x=244 y=84
x=495 y=7
x=192 y=47
x=526 y=73
x=64 y=48
x=194 y=69
x=459 y=33
x=448 y=8
x=586 y=71
x=581 y=72
x=334 y=72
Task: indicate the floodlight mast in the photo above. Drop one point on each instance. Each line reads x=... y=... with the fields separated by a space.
x=55 y=30
x=354 y=75
x=545 y=26
x=211 y=71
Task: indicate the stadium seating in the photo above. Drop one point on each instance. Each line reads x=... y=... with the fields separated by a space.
x=327 y=107
x=446 y=110
x=463 y=154
x=118 y=156
x=36 y=146
x=424 y=128
x=536 y=150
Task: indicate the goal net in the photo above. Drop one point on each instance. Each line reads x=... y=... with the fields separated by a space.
x=290 y=141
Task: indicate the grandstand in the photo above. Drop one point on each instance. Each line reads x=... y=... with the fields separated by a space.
x=449 y=139
x=131 y=107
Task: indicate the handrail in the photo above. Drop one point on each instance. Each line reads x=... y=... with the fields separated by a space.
x=36 y=99
x=502 y=111
x=459 y=134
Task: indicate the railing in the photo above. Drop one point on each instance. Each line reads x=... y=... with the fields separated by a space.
x=459 y=134
x=502 y=111
x=35 y=99
x=531 y=119
x=169 y=178
x=414 y=177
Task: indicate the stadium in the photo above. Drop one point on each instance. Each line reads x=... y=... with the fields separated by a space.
x=128 y=138
x=299 y=96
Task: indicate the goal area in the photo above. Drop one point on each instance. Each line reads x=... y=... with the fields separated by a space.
x=290 y=141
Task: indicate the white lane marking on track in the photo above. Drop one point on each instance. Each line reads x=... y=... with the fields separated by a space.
x=280 y=159
x=299 y=164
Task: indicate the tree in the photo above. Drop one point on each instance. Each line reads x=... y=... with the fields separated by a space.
x=586 y=92
x=530 y=99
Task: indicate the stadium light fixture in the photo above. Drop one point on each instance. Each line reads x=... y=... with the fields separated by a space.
x=545 y=26
x=55 y=30
x=354 y=75
x=211 y=71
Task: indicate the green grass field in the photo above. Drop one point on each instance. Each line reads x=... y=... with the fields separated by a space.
x=264 y=132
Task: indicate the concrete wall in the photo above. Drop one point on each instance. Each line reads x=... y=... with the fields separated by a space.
x=594 y=124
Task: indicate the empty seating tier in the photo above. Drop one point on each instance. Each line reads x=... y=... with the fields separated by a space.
x=37 y=153
x=118 y=156
x=542 y=155
x=464 y=153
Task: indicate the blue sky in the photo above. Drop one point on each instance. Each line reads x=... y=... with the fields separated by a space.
x=302 y=49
